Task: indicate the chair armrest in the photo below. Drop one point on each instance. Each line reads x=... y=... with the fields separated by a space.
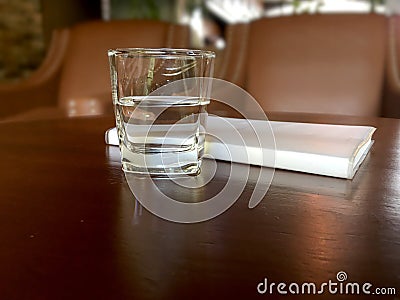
x=41 y=87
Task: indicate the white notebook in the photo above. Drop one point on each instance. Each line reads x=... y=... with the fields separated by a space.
x=324 y=149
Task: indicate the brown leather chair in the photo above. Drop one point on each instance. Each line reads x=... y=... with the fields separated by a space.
x=391 y=103
x=331 y=64
x=74 y=78
x=231 y=62
x=41 y=87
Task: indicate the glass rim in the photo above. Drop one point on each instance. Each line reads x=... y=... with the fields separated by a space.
x=161 y=52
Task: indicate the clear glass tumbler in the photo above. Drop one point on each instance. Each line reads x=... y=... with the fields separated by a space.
x=160 y=98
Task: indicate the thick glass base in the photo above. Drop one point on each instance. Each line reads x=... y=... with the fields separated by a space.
x=192 y=169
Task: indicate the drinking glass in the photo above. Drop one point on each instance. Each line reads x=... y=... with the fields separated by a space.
x=160 y=98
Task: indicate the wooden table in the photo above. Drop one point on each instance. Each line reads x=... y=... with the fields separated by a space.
x=71 y=229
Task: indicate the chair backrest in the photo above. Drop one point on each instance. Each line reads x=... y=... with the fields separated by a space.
x=231 y=62
x=332 y=64
x=85 y=87
x=391 y=103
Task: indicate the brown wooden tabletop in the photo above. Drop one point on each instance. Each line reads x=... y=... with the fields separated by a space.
x=70 y=227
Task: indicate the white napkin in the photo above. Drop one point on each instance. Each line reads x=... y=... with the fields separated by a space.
x=324 y=149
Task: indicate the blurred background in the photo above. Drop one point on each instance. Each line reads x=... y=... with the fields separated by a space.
x=26 y=25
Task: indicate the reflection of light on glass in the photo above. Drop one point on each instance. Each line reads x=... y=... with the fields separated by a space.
x=137 y=212
x=196 y=25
